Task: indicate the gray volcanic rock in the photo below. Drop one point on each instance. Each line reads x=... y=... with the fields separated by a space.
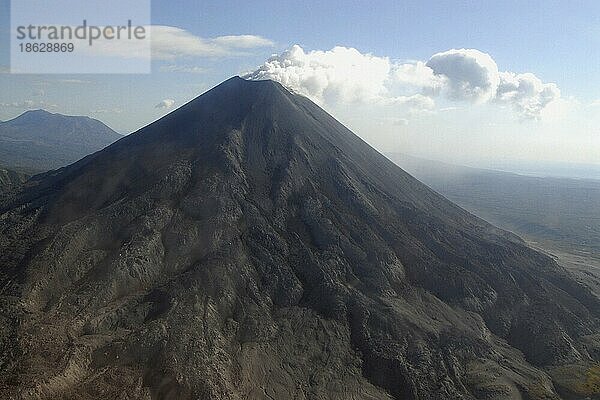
x=249 y=246
x=38 y=140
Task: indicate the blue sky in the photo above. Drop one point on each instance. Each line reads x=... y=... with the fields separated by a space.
x=559 y=40
x=556 y=42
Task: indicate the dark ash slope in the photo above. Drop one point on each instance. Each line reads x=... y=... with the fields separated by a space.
x=248 y=246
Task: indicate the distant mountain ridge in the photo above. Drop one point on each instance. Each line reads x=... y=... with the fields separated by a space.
x=38 y=140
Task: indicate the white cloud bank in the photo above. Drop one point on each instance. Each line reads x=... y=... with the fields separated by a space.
x=28 y=104
x=345 y=75
x=473 y=76
x=341 y=73
x=168 y=43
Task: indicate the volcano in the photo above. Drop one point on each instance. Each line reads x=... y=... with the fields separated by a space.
x=249 y=246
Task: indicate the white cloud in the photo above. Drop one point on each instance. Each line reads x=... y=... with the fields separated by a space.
x=27 y=104
x=107 y=111
x=416 y=103
x=188 y=69
x=345 y=75
x=46 y=104
x=470 y=74
x=170 y=43
x=526 y=93
x=166 y=104
x=18 y=104
x=338 y=75
x=242 y=41
x=417 y=75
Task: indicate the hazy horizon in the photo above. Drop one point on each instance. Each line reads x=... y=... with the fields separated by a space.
x=538 y=168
